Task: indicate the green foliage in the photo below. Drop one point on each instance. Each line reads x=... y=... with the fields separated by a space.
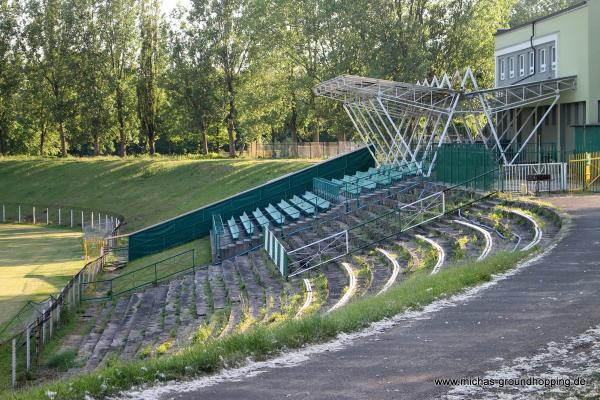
x=89 y=77
x=63 y=360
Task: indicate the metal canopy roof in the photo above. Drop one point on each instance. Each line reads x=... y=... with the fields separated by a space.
x=407 y=122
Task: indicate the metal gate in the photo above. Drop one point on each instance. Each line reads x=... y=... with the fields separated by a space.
x=584 y=172
x=515 y=178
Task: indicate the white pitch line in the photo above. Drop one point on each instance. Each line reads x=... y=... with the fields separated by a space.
x=488 y=238
x=351 y=289
x=538 y=232
x=440 y=251
x=395 y=271
x=308 y=300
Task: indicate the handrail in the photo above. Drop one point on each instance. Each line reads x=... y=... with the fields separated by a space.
x=141 y=268
x=335 y=217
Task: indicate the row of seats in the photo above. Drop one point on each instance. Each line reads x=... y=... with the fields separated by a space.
x=368 y=180
x=307 y=204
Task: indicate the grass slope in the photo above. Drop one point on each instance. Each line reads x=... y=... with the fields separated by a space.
x=35 y=262
x=144 y=191
x=261 y=342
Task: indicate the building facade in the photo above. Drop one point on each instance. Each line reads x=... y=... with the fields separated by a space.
x=560 y=45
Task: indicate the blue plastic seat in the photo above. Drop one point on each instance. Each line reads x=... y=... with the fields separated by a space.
x=305 y=207
x=288 y=210
x=260 y=218
x=233 y=228
x=275 y=214
x=247 y=224
x=316 y=200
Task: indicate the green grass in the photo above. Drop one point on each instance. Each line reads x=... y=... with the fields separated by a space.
x=261 y=342
x=144 y=191
x=35 y=262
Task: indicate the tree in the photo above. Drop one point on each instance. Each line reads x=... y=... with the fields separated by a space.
x=226 y=26
x=93 y=63
x=527 y=10
x=193 y=81
x=50 y=37
x=118 y=32
x=149 y=70
x=10 y=68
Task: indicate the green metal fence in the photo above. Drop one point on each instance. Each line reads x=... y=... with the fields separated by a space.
x=458 y=163
x=151 y=274
x=197 y=223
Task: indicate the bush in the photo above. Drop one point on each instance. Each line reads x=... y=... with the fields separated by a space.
x=63 y=360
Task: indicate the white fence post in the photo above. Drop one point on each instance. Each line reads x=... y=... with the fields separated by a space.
x=14 y=362
x=28 y=355
x=19 y=214
x=50 y=326
x=3 y=213
x=47 y=216
x=59 y=219
x=82 y=220
x=92 y=219
x=34 y=215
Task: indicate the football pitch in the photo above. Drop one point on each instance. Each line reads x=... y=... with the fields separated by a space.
x=35 y=262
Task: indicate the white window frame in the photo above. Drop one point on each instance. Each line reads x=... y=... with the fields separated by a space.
x=502 y=69
x=511 y=67
x=521 y=64
x=553 y=58
x=543 y=60
x=531 y=63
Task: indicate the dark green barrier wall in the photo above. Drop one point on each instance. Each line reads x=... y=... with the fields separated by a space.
x=198 y=223
x=458 y=163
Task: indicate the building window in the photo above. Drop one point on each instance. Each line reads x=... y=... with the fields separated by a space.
x=553 y=57
x=542 y=60
x=502 y=70
x=531 y=62
x=522 y=65
x=511 y=67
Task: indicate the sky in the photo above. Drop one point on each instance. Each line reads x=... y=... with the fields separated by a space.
x=169 y=5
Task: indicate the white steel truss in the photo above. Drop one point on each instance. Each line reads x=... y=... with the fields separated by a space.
x=406 y=123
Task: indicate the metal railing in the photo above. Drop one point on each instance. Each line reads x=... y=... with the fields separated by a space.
x=584 y=172
x=515 y=177
x=392 y=223
x=148 y=275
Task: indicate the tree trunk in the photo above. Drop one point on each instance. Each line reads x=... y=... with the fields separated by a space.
x=231 y=118
x=205 y=142
x=2 y=147
x=96 y=144
x=42 y=140
x=121 y=121
x=151 y=146
x=63 y=141
x=294 y=131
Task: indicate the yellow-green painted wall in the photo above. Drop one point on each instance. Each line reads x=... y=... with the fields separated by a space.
x=578 y=51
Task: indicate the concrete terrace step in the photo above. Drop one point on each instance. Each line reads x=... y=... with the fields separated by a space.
x=255 y=292
x=337 y=280
x=154 y=325
x=106 y=338
x=217 y=287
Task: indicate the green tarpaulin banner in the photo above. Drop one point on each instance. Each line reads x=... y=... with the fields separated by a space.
x=197 y=223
